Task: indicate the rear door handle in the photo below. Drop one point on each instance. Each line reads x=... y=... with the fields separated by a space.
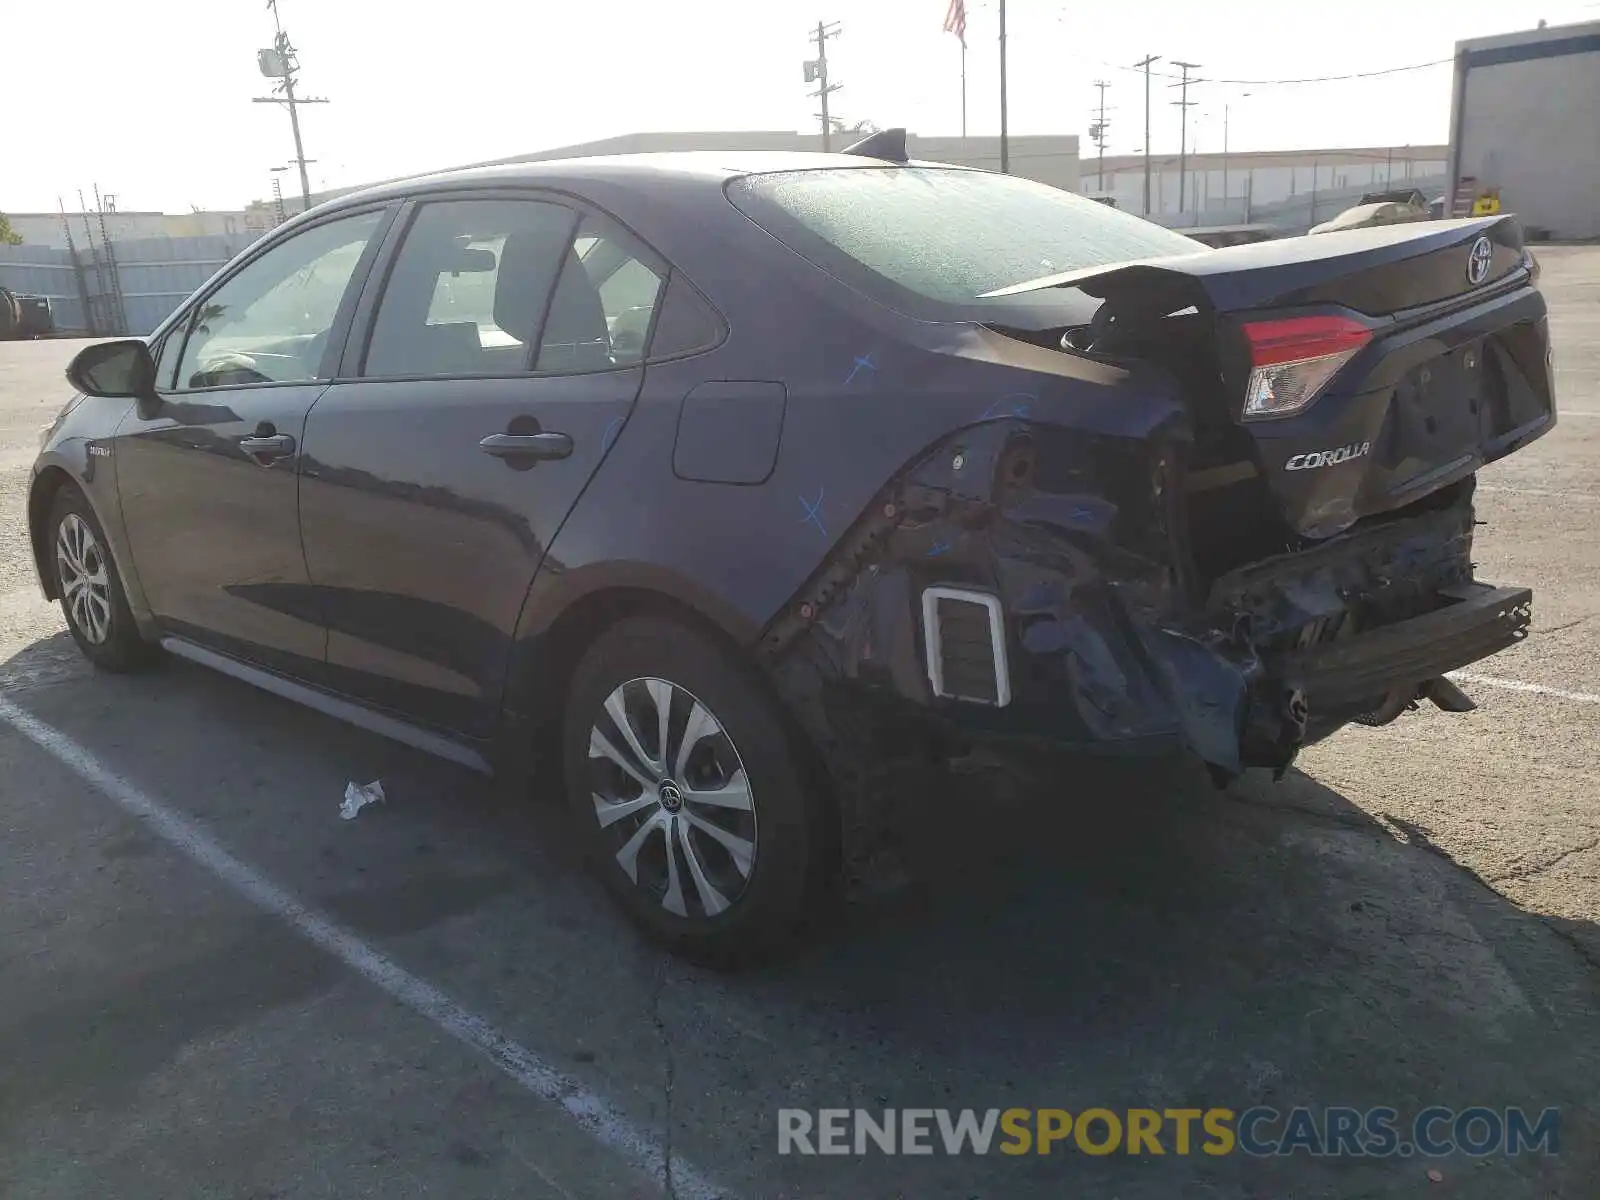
x=276 y=445
x=527 y=445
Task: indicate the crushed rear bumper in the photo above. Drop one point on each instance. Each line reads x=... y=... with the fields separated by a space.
x=974 y=613
x=1478 y=620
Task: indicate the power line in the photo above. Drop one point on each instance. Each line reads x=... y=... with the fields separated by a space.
x=1286 y=82
x=1063 y=15
x=1438 y=62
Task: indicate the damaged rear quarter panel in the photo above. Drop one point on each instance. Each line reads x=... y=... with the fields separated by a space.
x=894 y=474
x=870 y=395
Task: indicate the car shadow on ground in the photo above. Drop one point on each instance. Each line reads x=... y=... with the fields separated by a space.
x=1118 y=935
x=1128 y=936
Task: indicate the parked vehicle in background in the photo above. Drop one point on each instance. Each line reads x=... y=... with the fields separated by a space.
x=1218 y=236
x=24 y=317
x=1379 y=212
x=1409 y=196
x=740 y=492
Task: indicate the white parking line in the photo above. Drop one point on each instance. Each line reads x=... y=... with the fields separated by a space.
x=594 y=1114
x=1517 y=685
x=1522 y=491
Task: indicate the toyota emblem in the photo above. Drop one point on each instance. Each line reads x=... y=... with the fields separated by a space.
x=1478 y=260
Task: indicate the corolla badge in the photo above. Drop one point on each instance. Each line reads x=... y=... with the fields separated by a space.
x=1478 y=260
x=1327 y=458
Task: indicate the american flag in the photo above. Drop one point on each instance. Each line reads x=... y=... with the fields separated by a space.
x=955 y=20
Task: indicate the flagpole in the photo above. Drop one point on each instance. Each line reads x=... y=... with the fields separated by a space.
x=1005 y=150
x=955 y=21
x=963 y=87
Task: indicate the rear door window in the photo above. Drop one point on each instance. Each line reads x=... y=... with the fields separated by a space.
x=469 y=289
x=605 y=305
x=686 y=323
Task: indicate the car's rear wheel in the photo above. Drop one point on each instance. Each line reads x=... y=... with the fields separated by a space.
x=92 y=596
x=694 y=805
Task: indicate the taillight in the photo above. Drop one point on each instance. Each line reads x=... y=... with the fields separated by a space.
x=1293 y=359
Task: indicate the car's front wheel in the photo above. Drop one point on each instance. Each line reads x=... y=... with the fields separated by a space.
x=696 y=808
x=92 y=596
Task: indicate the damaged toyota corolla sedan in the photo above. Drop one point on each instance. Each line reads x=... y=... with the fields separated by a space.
x=733 y=491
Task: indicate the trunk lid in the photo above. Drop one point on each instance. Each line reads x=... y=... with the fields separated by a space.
x=1377 y=271
x=1443 y=366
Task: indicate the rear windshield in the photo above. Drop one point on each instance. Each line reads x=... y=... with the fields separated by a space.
x=930 y=241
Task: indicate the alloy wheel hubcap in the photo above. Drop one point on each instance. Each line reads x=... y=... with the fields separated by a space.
x=670 y=792
x=85 y=581
x=671 y=798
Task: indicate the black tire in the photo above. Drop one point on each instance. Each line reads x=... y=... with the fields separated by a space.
x=786 y=820
x=121 y=648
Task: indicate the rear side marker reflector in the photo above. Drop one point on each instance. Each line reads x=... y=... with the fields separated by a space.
x=1293 y=359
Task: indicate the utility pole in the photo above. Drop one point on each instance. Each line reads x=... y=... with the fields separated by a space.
x=1224 y=161
x=1183 y=136
x=1097 y=134
x=280 y=63
x=817 y=73
x=1244 y=96
x=1145 y=63
x=1005 y=135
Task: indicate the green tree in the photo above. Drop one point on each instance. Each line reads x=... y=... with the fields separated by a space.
x=8 y=236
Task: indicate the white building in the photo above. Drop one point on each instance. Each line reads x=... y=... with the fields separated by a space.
x=1222 y=188
x=45 y=229
x=1525 y=121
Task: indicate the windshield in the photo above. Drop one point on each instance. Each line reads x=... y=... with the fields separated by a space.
x=930 y=241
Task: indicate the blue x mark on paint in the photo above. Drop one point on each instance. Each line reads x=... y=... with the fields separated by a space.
x=998 y=407
x=938 y=548
x=814 y=513
x=863 y=363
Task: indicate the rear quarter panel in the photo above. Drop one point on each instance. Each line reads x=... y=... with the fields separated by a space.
x=867 y=391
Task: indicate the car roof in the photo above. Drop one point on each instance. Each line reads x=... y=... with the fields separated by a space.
x=711 y=167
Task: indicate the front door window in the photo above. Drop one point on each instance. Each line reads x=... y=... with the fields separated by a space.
x=270 y=322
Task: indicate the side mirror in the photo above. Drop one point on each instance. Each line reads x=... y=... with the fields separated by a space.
x=122 y=369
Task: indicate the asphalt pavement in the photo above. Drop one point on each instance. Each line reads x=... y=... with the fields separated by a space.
x=211 y=986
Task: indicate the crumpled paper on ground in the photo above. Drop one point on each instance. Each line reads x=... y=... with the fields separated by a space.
x=357 y=797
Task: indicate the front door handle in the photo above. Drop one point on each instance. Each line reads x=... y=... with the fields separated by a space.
x=527 y=445
x=277 y=445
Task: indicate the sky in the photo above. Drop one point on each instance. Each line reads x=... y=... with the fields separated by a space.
x=152 y=100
